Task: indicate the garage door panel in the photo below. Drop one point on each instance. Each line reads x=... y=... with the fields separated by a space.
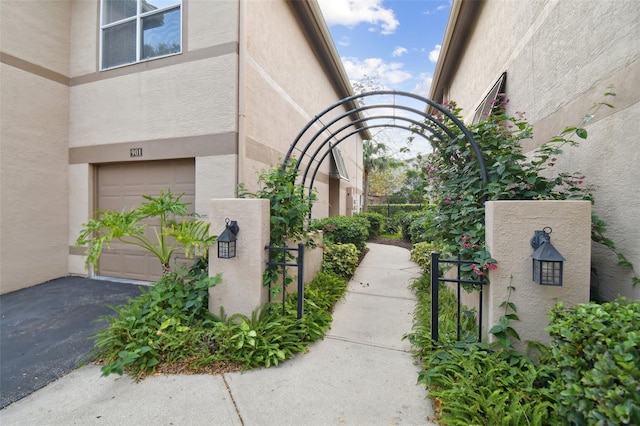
x=121 y=187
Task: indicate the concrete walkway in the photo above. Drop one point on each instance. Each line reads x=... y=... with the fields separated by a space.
x=361 y=374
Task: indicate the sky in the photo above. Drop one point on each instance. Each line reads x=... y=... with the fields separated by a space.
x=395 y=43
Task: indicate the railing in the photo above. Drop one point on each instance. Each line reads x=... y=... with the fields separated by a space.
x=299 y=264
x=435 y=289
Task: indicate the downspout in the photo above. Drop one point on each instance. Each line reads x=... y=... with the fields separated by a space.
x=242 y=54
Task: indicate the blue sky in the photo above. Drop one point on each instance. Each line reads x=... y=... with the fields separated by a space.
x=395 y=42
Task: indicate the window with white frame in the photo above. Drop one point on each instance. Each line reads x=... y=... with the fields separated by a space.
x=137 y=30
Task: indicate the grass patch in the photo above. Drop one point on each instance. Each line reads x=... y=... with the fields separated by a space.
x=396 y=236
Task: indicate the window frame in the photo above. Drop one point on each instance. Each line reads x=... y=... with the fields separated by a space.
x=137 y=18
x=488 y=104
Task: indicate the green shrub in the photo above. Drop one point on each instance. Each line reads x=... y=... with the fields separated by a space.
x=340 y=259
x=161 y=325
x=376 y=222
x=479 y=386
x=269 y=337
x=344 y=230
x=420 y=226
x=597 y=350
x=171 y=323
x=421 y=254
x=472 y=383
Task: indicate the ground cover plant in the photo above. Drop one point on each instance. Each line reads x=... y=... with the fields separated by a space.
x=169 y=328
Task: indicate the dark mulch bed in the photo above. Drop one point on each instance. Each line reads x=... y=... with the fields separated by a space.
x=392 y=241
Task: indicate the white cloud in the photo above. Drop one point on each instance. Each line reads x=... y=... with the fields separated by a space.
x=344 y=41
x=444 y=6
x=424 y=85
x=399 y=51
x=387 y=73
x=435 y=53
x=353 y=12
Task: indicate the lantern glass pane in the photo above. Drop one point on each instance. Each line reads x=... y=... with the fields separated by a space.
x=226 y=250
x=547 y=272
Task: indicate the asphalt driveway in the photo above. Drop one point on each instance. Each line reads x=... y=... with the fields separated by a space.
x=45 y=330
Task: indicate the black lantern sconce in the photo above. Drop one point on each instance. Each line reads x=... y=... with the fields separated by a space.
x=227 y=240
x=547 y=261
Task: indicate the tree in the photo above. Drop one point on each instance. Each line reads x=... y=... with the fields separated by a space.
x=374 y=159
x=171 y=236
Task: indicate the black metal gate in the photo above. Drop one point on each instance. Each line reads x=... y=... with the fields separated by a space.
x=278 y=257
x=435 y=294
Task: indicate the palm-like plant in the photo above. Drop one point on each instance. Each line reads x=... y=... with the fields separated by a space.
x=170 y=235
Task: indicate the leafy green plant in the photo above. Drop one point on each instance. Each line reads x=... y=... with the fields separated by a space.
x=170 y=323
x=503 y=331
x=290 y=206
x=376 y=222
x=163 y=324
x=421 y=254
x=340 y=259
x=267 y=337
x=170 y=234
x=475 y=385
x=458 y=193
x=597 y=350
x=344 y=230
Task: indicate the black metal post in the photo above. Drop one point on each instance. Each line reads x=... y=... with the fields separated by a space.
x=459 y=302
x=284 y=279
x=300 y=279
x=435 y=284
x=480 y=315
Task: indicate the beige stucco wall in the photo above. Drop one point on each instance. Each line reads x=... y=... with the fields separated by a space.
x=194 y=98
x=509 y=228
x=37 y=32
x=560 y=59
x=241 y=289
x=284 y=89
x=154 y=104
x=33 y=142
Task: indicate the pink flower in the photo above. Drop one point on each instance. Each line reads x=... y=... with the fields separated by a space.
x=476 y=270
x=491 y=266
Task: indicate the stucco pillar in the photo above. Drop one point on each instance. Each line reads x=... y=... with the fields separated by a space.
x=509 y=228
x=241 y=289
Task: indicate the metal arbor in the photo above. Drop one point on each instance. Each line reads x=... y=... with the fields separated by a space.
x=331 y=127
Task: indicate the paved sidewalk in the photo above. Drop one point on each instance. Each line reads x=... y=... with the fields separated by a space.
x=360 y=374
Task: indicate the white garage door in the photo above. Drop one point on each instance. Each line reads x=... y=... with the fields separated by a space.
x=121 y=186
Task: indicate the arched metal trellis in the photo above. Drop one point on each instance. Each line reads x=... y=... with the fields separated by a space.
x=334 y=125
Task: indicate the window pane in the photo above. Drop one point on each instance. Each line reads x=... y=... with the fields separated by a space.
x=119 y=45
x=151 y=5
x=161 y=34
x=115 y=10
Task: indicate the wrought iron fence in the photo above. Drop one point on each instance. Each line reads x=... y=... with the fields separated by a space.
x=299 y=263
x=436 y=279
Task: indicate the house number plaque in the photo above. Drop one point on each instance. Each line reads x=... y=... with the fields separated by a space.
x=135 y=152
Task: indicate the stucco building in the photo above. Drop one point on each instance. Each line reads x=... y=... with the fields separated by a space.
x=105 y=100
x=554 y=59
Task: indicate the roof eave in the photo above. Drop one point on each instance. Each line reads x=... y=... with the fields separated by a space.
x=459 y=27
